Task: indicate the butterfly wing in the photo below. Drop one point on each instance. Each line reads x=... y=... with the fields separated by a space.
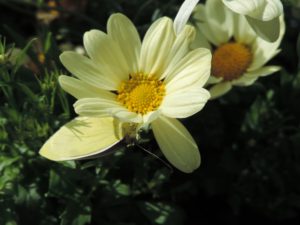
x=82 y=137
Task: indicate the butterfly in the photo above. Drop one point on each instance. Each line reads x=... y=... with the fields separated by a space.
x=82 y=138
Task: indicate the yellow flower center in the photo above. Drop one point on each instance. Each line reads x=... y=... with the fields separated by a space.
x=141 y=93
x=231 y=60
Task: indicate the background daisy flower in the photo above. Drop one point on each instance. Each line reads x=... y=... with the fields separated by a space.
x=239 y=54
x=126 y=83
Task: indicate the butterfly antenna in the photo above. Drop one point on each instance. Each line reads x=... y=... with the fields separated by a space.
x=156 y=157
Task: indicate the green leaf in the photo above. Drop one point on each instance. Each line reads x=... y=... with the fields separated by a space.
x=76 y=213
x=162 y=213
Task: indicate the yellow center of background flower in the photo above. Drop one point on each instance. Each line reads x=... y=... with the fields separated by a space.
x=141 y=93
x=231 y=60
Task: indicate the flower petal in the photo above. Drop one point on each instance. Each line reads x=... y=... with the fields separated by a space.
x=242 y=32
x=124 y=33
x=103 y=107
x=219 y=89
x=268 y=30
x=215 y=21
x=82 y=137
x=80 y=89
x=213 y=80
x=181 y=47
x=263 y=50
x=193 y=69
x=250 y=77
x=264 y=10
x=183 y=15
x=184 y=104
x=176 y=143
x=156 y=47
x=104 y=51
x=200 y=41
x=83 y=68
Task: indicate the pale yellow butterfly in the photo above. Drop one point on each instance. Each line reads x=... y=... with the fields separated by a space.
x=83 y=137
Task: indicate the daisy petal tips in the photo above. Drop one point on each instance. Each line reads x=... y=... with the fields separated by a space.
x=184 y=14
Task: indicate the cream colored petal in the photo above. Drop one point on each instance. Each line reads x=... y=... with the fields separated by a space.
x=213 y=80
x=220 y=89
x=267 y=30
x=156 y=47
x=124 y=33
x=200 y=41
x=218 y=22
x=149 y=117
x=126 y=116
x=193 y=70
x=177 y=144
x=183 y=15
x=83 y=68
x=263 y=51
x=245 y=80
x=80 y=89
x=104 y=51
x=100 y=107
x=103 y=107
x=212 y=30
x=250 y=77
x=82 y=137
x=184 y=104
x=264 y=71
x=180 y=48
x=242 y=32
x=264 y=10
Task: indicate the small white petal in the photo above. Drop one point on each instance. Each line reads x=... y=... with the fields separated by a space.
x=220 y=89
x=262 y=15
x=268 y=30
x=80 y=89
x=213 y=80
x=177 y=144
x=214 y=21
x=250 y=77
x=105 y=106
x=264 y=71
x=264 y=10
x=100 y=107
x=200 y=41
x=193 y=69
x=184 y=104
x=263 y=50
x=184 y=14
x=242 y=32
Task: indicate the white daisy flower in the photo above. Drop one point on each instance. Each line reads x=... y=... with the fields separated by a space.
x=125 y=84
x=239 y=55
x=262 y=15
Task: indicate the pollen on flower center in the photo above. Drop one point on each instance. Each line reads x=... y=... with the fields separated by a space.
x=141 y=93
x=231 y=60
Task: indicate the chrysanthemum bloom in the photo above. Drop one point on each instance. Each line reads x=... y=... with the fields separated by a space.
x=239 y=55
x=125 y=85
x=262 y=15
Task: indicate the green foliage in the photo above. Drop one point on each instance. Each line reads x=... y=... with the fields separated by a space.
x=249 y=139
